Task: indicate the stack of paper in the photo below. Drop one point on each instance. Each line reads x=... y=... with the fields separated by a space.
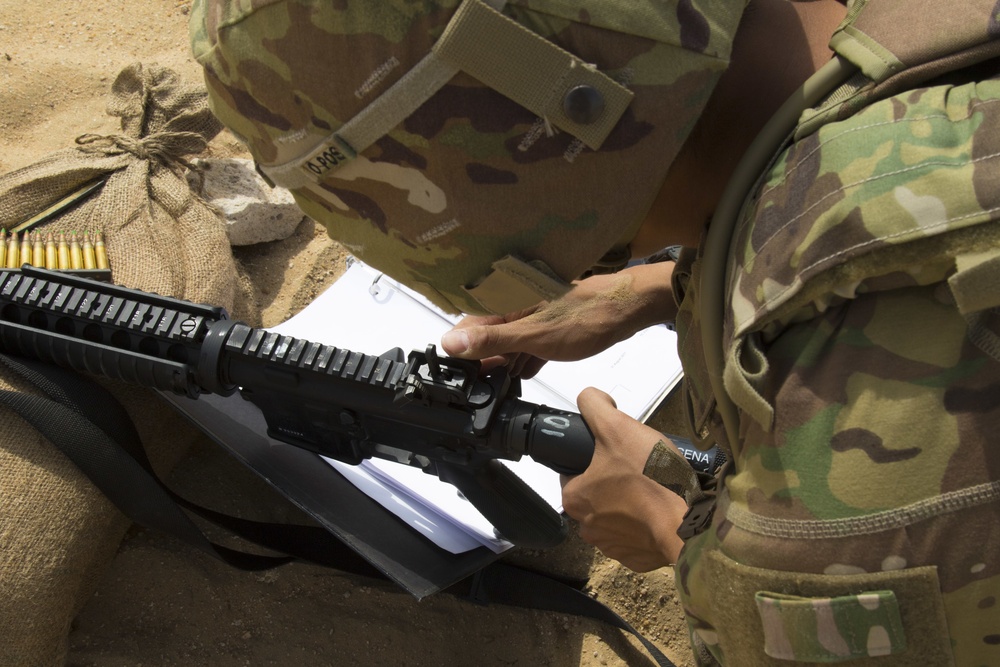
x=367 y=312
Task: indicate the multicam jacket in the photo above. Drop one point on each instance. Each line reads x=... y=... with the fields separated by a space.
x=861 y=518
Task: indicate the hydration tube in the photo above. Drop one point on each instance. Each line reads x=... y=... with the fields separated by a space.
x=720 y=232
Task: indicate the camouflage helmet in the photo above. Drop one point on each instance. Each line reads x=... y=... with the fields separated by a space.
x=483 y=152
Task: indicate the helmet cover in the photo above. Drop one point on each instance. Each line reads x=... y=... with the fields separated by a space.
x=482 y=152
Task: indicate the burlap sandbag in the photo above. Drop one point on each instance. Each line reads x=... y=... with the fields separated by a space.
x=57 y=532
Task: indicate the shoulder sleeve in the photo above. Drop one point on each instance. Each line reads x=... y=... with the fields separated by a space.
x=879 y=402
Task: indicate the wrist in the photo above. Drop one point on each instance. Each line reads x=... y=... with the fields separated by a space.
x=664 y=515
x=654 y=299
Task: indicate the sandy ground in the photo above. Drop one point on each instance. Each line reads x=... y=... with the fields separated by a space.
x=161 y=603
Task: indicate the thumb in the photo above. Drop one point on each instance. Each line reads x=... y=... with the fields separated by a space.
x=597 y=408
x=482 y=341
x=594 y=400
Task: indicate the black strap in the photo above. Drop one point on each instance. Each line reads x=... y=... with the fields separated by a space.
x=88 y=424
x=506 y=584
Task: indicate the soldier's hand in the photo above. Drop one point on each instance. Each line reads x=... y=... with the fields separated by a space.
x=626 y=515
x=594 y=315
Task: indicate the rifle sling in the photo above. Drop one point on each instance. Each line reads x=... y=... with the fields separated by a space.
x=88 y=424
x=501 y=583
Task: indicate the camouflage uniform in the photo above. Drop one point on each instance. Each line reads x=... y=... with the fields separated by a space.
x=861 y=518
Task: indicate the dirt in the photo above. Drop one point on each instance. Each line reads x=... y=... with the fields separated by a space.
x=161 y=603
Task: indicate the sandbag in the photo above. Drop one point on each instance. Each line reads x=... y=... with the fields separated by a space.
x=57 y=532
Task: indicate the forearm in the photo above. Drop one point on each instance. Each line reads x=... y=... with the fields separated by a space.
x=598 y=312
x=644 y=295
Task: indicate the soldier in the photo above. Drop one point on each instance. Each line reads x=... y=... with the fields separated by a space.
x=838 y=317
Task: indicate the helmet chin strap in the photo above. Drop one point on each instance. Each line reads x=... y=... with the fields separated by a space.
x=720 y=233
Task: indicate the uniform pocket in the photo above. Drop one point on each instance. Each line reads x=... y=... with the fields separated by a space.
x=771 y=617
x=831 y=629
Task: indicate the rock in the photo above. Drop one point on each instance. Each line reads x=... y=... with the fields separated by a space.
x=254 y=211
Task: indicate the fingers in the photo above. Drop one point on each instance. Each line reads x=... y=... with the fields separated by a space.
x=456 y=341
x=464 y=343
x=483 y=341
x=531 y=367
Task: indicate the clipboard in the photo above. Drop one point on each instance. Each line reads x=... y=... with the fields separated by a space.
x=407 y=558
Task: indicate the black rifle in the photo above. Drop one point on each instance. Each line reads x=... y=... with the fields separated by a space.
x=434 y=413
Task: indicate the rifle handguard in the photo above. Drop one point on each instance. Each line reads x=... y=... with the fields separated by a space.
x=436 y=414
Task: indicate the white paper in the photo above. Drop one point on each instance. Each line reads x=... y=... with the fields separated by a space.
x=438 y=527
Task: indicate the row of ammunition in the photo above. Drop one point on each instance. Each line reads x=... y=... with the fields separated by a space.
x=59 y=251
